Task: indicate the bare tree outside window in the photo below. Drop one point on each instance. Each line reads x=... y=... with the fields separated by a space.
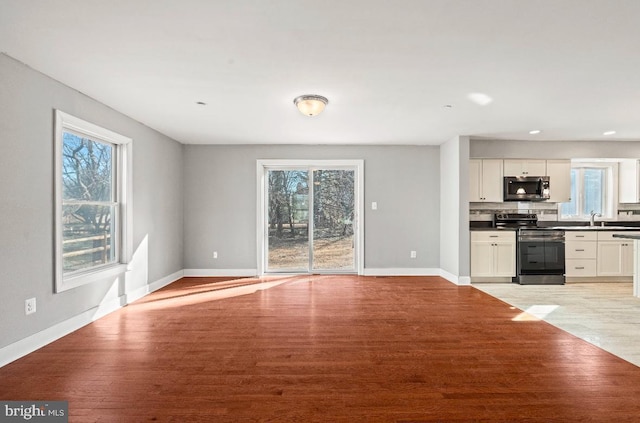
x=333 y=216
x=88 y=193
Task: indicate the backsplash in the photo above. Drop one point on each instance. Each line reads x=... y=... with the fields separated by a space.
x=545 y=211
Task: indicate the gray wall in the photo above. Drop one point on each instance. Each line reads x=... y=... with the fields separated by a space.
x=220 y=202
x=499 y=149
x=27 y=103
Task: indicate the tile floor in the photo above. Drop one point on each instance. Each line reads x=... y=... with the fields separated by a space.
x=605 y=314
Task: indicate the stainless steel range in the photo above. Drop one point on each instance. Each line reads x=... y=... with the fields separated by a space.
x=539 y=251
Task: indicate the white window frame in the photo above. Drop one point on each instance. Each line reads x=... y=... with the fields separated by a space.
x=124 y=225
x=611 y=189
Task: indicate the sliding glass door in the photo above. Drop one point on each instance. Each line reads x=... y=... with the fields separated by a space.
x=288 y=220
x=310 y=220
x=333 y=239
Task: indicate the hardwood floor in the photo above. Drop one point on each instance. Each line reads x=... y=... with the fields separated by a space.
x=325 y=349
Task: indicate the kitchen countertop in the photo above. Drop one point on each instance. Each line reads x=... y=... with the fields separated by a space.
x=594 y=228
x=564 y=228
x=492 y=229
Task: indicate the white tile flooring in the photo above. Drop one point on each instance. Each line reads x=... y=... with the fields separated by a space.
x=605 y=314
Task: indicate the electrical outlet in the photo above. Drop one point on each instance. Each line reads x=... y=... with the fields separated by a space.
x=30 y=306
x=215 y=254
x=413 y=254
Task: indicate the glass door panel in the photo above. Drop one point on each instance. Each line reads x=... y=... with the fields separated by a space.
x=288 y=221
x=333 y=215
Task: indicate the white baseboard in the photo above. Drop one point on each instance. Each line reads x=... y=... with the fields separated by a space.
x=458 y=280
x=38 y=340
x=31 y=343
x=219 y=272
x=147 y=289
x=401 y=271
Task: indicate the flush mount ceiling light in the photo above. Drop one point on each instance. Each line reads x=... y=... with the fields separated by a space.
x=310 y=104
x=535 y=132
x=609 y=133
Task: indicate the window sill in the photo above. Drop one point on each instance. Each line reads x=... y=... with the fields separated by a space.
x=84 y=278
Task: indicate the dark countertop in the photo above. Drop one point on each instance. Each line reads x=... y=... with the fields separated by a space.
x=594 y=228
x=492 y=229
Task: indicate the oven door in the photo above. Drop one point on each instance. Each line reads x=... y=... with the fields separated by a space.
x=540 y=257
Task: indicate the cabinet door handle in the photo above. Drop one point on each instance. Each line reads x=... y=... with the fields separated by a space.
x=493 y=236
x=579 y=267
x=579 y=236
x=579 y=249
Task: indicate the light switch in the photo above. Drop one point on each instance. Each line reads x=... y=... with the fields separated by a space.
x=374 y=205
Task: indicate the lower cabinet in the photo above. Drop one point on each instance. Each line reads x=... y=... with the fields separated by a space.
x=580 y=253
x=615 y=255
x=598 y=254
x=493 y=253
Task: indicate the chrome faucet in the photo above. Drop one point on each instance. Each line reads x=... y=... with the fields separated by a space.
x=592 y=218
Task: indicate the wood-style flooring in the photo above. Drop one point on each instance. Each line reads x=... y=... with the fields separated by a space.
x=325 y=349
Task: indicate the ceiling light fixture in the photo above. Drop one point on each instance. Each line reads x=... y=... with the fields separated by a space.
x=310 y=104
x=480 y=99
x=609 y=133
x=535 y=132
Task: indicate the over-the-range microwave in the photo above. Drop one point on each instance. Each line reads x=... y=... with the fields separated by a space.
x=526 y=188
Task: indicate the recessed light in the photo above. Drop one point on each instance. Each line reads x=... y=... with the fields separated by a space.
x=609 y=133
x=535 y=131
x=448 y=106
x=480 y=98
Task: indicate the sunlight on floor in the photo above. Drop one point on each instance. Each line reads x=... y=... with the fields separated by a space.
x=198 y=294
x=535 y=313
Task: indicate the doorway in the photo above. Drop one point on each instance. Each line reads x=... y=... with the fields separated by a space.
x=309 y=217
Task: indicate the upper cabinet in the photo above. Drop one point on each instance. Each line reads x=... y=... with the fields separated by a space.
x=485 y=180
x=629 y=181
x=525 y=167
x=486 y=177
x=559 y=173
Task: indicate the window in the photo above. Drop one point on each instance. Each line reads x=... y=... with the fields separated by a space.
x=93 y=213
x=592 y=190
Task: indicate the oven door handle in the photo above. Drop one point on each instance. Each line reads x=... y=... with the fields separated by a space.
x=540 y=239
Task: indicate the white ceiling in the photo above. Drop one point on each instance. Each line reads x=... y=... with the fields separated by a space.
x=570 y=68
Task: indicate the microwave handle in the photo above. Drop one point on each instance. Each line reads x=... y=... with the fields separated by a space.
x=540 y=187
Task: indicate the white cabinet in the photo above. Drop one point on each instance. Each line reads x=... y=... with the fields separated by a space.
x=597 y=253
x=485 y=180
x=493 y=253
x=525 y=167
x=629 y=181
x=559 y=173
x=615 y=255
x=581 y=251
